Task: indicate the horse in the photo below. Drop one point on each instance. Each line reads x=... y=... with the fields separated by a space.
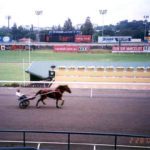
x=56 y=94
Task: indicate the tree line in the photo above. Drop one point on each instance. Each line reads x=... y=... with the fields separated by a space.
x=136 y=29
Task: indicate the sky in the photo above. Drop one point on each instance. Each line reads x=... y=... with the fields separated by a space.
x=56 y=12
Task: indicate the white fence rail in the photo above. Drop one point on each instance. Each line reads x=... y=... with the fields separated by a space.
x=92 y=86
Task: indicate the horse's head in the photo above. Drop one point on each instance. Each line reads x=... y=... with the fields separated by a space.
x=64 y=88
x=67 y=88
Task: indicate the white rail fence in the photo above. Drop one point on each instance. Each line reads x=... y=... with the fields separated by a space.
x=91 y=86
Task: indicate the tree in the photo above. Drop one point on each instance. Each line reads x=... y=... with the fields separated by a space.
x=87 y=27
x=68 y=25
x=14 y=31
x=20 y=32
x=4 y=31
x=136 y=29
x=133 y=28
x=56 y=28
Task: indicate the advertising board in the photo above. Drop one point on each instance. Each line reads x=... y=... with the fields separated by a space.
x=83 y=38
x=5 y=39
x=2 y=47
x=65 y=48
x=59 y=38
x=71 y=48
x=127 y=49
x=146 y=49
x=114 y=39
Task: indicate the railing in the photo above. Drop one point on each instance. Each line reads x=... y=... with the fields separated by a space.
x=103 y=74
x=88 y=85
x=44 y=83
x=69 y=134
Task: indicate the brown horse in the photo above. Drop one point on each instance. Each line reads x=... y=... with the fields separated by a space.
x=54 y=94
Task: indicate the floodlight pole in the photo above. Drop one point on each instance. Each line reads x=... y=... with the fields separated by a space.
x=38 y=13
x=146 y=18
x=102 y=12
x=8 y=19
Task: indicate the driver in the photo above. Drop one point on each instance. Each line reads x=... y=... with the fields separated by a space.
x=20 y=95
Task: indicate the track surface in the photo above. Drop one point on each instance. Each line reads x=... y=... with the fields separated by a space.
x=108 y=111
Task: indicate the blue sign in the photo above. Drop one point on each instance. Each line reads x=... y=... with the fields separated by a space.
x=5 y=39
x=1 y=39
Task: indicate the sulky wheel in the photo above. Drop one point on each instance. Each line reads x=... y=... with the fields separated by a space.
x=24 y=104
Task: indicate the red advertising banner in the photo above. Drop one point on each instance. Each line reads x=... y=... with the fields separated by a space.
x=65 y=48
x=71 y=48
x=127 y=49
x=17 y=47
x=83 y=38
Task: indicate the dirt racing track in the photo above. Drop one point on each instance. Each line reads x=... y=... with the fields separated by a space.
x=108 y=111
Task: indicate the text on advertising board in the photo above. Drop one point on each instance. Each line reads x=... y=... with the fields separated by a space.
x=69 y=48
x=130 y=49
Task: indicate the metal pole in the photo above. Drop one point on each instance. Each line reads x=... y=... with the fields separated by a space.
x=103 y=12
x=115 y=142
x=29 y=44
x=8 y=19
x=91 y=93
x=24 y=139
x=68 y=141
x=145 y=17
x=102 y=25
x=23 y=72
x=38 y=13
x=94 y=147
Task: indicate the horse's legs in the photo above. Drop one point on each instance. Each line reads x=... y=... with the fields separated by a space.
x=57 y=103
x=41 y=99
x=43 y=102
x=38 y=102
x=62 y=103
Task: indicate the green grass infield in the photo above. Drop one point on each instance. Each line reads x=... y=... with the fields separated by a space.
x=14 y=63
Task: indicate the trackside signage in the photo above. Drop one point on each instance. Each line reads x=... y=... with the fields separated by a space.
x=114 y=39
x=71 y=48
x=83 y=38
x=147 y=49
x=131 y=49
x=5 y=39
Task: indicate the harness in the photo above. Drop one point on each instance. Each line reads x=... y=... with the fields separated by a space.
x=52 y=91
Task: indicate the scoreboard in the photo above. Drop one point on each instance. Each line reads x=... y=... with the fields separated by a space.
x=61 y=36
x=67 y=36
